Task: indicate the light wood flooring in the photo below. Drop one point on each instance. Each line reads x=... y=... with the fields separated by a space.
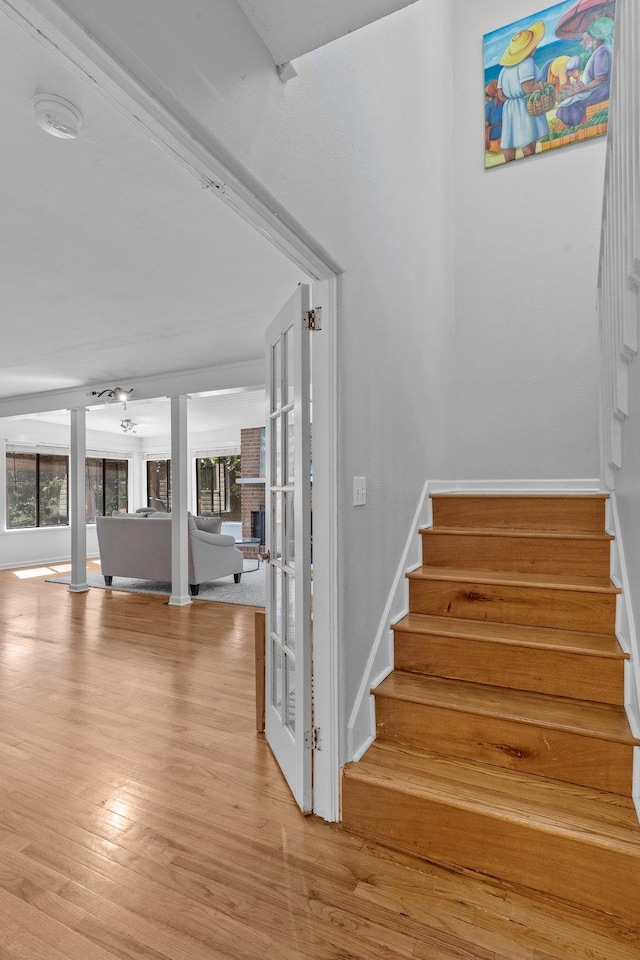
x=141 y=817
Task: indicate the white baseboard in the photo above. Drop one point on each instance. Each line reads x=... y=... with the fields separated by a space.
x=575 y=485
x=35 y=563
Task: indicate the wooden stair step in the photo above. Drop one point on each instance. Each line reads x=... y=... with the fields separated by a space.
x=600 y=720
x=585 y=666
x=568 y=841
x=567 y=602
x=534 y=551
x=574 y=741
x=517 y=579
x=544 y=511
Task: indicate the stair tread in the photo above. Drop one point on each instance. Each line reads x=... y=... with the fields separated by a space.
x=567 y=641
x=587 y=718
x=526 y=533
x=583 y=812
x=515 y=579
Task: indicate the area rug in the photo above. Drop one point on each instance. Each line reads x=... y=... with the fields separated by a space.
x=250 y=592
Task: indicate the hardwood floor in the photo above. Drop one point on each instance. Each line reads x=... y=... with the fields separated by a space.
x=141 y=817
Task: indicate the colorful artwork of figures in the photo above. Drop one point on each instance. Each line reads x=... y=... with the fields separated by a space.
x=546 y=80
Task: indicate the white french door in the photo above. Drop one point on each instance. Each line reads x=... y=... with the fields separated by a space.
x=288 y=545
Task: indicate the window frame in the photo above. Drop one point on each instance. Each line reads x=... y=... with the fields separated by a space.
x=38 y=525
x=38 y=506
x=225 y=477
x=104 y=461
x=167 y=466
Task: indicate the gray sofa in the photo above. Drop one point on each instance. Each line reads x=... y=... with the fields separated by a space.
x=135 y=545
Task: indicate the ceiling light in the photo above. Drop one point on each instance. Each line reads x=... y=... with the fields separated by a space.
x=128 y=426
x=57 y=116
x=112 y=393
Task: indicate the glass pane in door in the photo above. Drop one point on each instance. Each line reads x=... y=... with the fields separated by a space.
x=291 y=693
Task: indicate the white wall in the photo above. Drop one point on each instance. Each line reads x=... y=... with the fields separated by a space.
x=356 y=148
x=527 y=239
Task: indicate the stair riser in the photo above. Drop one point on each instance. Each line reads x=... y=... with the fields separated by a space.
x=543 y=607
x=570 y=868
x=580 y=558
x=520 y=513
x=528 y=748
x=522 y=668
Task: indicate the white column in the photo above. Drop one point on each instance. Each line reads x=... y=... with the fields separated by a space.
x=138 y=488
x=76 y=502
x=179 y=498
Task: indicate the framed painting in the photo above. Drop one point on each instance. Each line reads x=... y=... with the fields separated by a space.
x=546 y=80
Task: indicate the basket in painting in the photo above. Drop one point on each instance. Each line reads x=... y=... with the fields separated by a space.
x=541 y=101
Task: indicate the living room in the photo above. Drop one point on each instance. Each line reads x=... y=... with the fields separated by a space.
x=134 y=445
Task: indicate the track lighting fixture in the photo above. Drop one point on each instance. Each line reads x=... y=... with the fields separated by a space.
x=112 y=393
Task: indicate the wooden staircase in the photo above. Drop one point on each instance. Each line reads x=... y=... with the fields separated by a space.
x=502 y=742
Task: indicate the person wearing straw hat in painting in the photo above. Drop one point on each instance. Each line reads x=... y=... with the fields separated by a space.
x=594 y=85
x=518 y=78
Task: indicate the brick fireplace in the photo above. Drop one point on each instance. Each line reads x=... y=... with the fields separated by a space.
x=253 y=494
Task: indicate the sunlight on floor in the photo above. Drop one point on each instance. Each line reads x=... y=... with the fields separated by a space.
x=25 y=573
x=33 y=572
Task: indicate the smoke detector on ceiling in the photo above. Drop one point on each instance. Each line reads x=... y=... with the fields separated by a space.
x=57 y=116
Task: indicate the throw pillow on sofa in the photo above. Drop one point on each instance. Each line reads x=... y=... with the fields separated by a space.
x=209 y=524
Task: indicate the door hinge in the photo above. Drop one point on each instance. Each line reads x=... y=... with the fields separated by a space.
x=313 y=319
x=313 y=738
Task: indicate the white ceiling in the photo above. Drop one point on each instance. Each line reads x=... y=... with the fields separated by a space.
x=115 y=263
x=290 y=28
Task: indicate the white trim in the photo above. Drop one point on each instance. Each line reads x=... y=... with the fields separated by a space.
x=625 y=622
x=62 y=451
x=575 y=485
x=233 y=450
x=361 y=727
x=26 y=564
x=627 y=638
x=326 y=761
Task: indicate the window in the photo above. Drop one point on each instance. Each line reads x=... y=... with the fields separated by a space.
x=217 y=490
x=37 y=490
x=159 y=484
x=106 y=487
